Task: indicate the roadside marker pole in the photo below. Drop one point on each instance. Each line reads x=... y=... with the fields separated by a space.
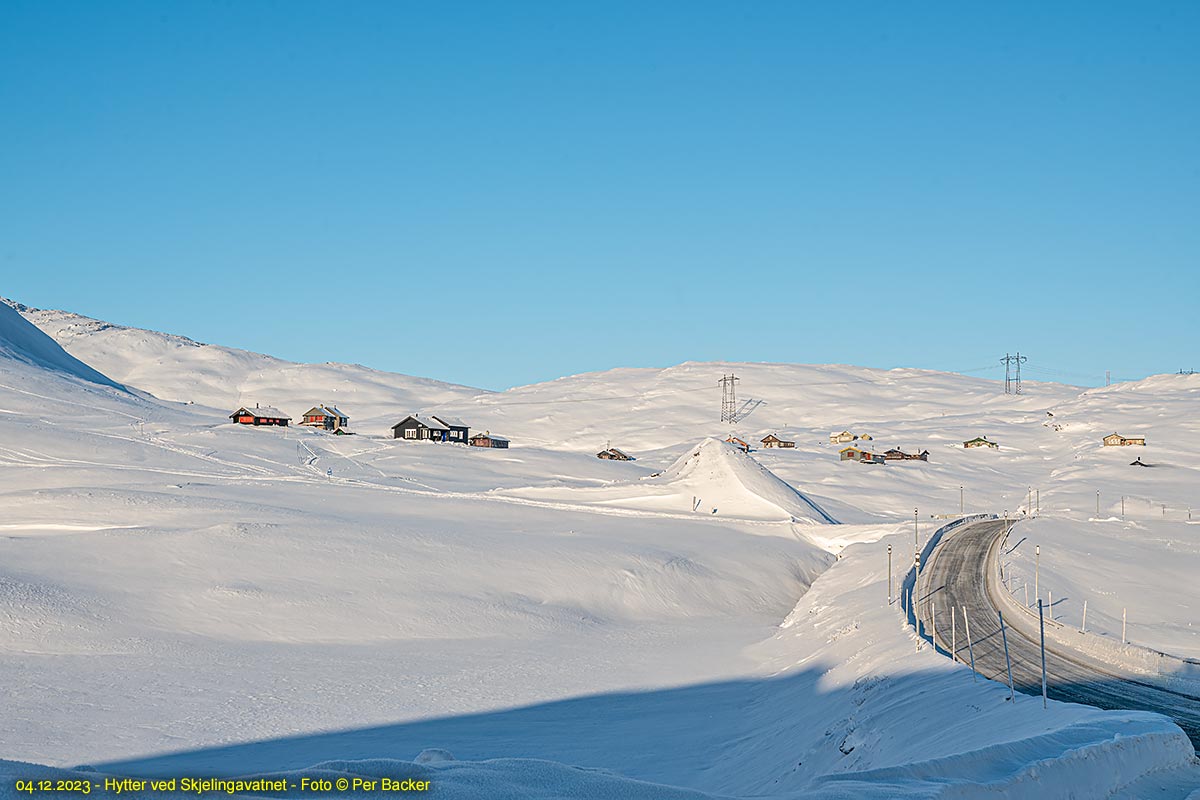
x=1084 y=630
x=1051 y=605
x=953 y=634
x=1027 y=594
x=970 y=647
x=933 y=625
x=1042 y=624
x=1012 y=692
x=1097 y=502
x=889 y=574
x=1123 y=618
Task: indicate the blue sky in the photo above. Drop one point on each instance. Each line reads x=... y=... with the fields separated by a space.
x=500 y=193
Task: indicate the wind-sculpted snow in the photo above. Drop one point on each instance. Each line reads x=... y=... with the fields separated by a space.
x=21 y=341
x=712 y=478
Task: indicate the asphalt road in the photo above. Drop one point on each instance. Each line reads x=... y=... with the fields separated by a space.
x=959 y=574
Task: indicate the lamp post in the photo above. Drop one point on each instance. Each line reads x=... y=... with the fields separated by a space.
x=1037 y=566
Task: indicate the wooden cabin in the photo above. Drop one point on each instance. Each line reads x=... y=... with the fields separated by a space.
x=771 y=440
x=841 y=438
x=1137 y=462
x=1117 y=440
x=740 y=444
x=860 y=455
x=489 y=439
x=419 y=427
x=260 y=415
x=896 y=454
x=980 y=441
x=326 y=418
x=614 y=454
x=458 y=430
x=866 y=437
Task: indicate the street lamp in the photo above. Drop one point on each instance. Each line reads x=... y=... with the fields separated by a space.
x=1037 y=567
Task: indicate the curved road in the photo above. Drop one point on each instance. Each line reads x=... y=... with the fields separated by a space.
x=958 y=575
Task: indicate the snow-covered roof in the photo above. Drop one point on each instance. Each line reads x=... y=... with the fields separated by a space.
x=266 y=412
x=494 y=437
x=423 y=419
x=453 y=422
x=325 y=411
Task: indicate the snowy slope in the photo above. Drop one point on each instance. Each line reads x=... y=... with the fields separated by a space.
x=21 y=341
x=178 y=369
x=202 y=588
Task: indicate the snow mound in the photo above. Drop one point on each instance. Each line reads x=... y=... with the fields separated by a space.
x=20 y=340
x=711 y=478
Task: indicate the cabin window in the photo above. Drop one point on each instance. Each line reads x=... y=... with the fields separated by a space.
x=410 y=433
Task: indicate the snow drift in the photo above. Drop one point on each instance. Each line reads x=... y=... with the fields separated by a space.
x=711 y=478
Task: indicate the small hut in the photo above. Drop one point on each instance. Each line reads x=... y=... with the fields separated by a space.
x=1117 y=440
x=614 y=454
x=771 y=440
x=489 y=439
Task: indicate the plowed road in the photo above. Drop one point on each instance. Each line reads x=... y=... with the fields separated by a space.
x=961 y=572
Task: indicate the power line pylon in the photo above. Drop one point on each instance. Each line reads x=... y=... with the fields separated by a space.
x=728 y=398
x=1012 y=372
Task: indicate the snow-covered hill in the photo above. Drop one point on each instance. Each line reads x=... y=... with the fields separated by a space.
x=176 y=368
x=23 y=342
x=234 y=594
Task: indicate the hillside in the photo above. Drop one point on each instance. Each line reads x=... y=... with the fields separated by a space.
x=23 y=342
x=176 y=368
x=233 y=595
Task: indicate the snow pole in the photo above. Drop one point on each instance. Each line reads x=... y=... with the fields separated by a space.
x=1123 y=619
x=889 y=574
x=1012 y=692
x=953 y=634
x=1084 y=629
x=970 y=646
x=1050 y=605
x=1042 y=626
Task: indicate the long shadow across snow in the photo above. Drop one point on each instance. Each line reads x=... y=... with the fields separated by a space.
x=740 y=737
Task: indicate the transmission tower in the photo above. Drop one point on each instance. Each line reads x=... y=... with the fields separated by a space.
x=728 y=398
x=1012 y=372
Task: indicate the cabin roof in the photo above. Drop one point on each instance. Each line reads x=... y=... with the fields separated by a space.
x=325 y=411
x=453 y=422
x=492 y=436
x=264 y=412
x=425 y=421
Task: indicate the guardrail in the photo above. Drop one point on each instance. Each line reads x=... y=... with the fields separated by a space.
x=1173 y=672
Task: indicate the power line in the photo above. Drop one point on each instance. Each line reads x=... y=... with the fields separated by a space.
x=497 y=398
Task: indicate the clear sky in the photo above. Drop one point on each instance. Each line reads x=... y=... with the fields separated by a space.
x=498 y=193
